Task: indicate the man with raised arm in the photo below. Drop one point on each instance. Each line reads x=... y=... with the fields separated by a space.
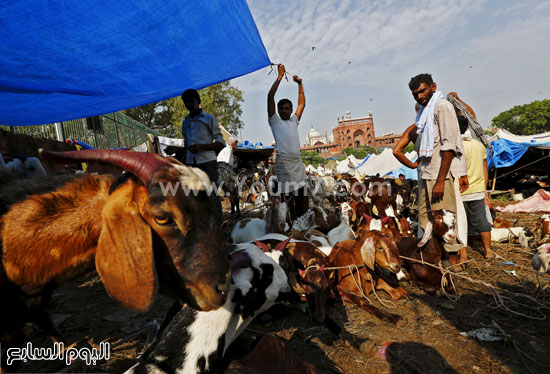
x=290 y=170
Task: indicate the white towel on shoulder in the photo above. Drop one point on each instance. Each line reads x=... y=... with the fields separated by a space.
x=425 y=125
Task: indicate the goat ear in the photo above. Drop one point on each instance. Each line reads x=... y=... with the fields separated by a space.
x=282 y=245
x=385 y=219
x=367 y=217
x=261 y=245
x=353 y=215
x=302 y=273
x=124 y=257
x=368 y=253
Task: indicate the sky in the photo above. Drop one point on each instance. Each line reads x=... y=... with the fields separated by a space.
x=359 y=56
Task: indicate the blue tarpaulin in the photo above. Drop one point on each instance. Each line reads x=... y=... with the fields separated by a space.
x=62 y=60
x=407 y=172
x=507 y=153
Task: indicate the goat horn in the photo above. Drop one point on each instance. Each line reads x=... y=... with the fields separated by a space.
x=141 y=164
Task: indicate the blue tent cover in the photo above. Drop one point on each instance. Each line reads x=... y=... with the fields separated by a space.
x=64 y=60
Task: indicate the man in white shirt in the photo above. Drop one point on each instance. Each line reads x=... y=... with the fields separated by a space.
x=227 y=178
x=289 y=168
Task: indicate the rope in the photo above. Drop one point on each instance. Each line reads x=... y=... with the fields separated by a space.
x=352 y=268
x=500 y=301
x=521 y=167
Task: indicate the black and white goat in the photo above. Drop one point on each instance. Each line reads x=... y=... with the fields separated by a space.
x=195 y=342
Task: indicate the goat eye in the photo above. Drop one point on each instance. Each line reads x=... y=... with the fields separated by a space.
x=163 y=220
x=380 y=249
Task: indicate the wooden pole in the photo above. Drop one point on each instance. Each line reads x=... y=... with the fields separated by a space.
x=494 y=180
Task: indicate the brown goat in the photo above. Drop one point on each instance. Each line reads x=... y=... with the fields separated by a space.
x=373 y=247
x=430 y=250
x=304 y=264
x=131 y=229
x=313 y=279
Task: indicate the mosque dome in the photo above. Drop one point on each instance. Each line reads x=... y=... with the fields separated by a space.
x=313 y=133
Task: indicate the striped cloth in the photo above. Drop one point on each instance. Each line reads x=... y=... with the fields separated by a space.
x=475 y=128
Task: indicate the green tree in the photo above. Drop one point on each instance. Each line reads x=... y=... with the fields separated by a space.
x=528 y=119
x=156 y=116
x=409 y=148
x=222 y=100
x=360 y=153
x=311 y=157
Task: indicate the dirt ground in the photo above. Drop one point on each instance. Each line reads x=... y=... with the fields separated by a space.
x=428 y=341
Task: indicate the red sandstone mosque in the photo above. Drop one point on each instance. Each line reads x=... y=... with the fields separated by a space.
x=349 y=132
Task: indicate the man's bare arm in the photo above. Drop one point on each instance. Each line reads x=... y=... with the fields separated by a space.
x=301 y=97
x=469 y=108
x=405 y=139
x=439 y=186
x=274 y=87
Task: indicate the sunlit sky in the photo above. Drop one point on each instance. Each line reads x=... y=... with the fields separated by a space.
x=494 y=53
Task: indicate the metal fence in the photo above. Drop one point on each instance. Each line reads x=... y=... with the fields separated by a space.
x=114 y=130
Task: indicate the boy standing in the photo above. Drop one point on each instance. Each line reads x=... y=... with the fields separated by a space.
x=203 y=138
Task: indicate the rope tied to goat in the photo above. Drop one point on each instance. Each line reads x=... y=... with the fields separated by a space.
x=500 y=301
x=351 y=268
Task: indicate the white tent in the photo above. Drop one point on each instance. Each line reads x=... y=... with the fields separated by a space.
x=347 y=165
x=383 y=163
x=532 y=139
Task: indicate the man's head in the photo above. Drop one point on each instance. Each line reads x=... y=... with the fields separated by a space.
x=463 y=124
x=402 y=177
x=191 y=99
x=284 y=107
x=422 y=87
x=233 y=142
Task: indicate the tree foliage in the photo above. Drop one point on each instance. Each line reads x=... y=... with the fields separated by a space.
x=528 y=119
x=222 y=100
x=311 y=157
x=408 y=148
x=360 y=153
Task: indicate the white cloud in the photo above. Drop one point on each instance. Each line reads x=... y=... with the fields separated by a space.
x=387 y=42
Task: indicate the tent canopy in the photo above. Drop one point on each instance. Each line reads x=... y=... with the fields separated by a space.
x=383 y=163
x=64 y=60
x=509 y=148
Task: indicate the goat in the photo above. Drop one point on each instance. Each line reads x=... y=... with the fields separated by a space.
x=227 y=180
x=500 y=223
x=135 y=233
x=541 y=261
x=313 y=218
x=305 y=266
x=370 y=249
x=544 y=228
x=382 y=194
x=343 y=231
x=271 y=356
x=276 y=220
x=195 y=341
x=321 y=188
x=523 y=234
x=439 y=230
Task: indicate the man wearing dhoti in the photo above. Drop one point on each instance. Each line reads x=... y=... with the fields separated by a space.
x=290 y=170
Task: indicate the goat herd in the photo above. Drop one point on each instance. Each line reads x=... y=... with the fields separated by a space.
x=355 y=242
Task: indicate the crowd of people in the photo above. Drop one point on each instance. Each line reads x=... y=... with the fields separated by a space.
x=451 y=163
